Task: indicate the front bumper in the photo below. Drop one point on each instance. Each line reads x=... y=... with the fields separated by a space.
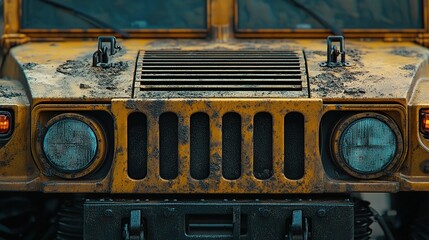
x=221 y=219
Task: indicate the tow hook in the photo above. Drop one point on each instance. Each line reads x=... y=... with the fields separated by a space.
x=134 y=229
x=298 y=230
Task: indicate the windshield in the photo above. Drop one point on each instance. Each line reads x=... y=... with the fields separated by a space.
x=343 y=14
x=120 y=14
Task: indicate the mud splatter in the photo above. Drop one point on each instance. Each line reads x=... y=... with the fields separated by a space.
x=354 y=91
x=84 y=86
x=320 y=53
x=105 y=76
x=353 y=55
x=7 y=93
x=410 y=68
x=73 y=68
x=405 y=52
x=29 y=66
x=327 y=83
x=333 y=82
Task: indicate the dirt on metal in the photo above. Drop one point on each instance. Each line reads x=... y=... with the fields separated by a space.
x=105 y=76
x=29 y=66
x=328 y=83
x=6 y=92
x=405 y=52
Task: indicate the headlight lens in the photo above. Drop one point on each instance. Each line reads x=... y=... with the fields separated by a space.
x=70 y=145
x=367 y=144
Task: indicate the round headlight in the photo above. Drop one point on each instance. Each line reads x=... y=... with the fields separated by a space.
x=367 y=145
x=72 y=144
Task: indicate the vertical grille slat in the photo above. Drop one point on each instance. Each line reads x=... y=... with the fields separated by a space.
x=215 y=70
x=294 y=146
x=263 y=146
x=137 y=147
x=200 y=146
x=231 y=146
x=168 y=143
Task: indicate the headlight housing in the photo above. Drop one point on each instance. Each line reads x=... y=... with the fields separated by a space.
x=367 y=145
x=72 y=145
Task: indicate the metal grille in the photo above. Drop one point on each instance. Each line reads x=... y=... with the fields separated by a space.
x=202 y=148
x=217 y=70
x=218 y=146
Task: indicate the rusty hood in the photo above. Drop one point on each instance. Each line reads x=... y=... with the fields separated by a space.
x=63 y=70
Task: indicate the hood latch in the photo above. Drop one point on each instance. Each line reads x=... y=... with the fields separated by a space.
x=101 y=57
x=333 y=53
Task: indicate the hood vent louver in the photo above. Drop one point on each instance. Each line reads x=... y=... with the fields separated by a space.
x=219 y=70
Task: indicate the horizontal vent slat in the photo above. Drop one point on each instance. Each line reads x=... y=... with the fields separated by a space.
x=150 y=67
x=211 y=52
x=224 y=83
x=214 y=81
x=215 y=70
x=220 y=87
x=221 y=57
x=218 y=60
x=221 y=76
x=206 y=63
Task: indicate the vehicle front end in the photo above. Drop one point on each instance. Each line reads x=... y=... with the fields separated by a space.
x=214 y=119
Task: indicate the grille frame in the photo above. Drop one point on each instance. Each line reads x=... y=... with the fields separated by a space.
x=177 y=70
x=311 y=109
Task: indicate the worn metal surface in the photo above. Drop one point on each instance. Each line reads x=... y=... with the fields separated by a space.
x=215 y=183
x=15 y=161
x=381 y=70
x=367 y=81
x=391 y=78
x=228 y=219
x=116 y=180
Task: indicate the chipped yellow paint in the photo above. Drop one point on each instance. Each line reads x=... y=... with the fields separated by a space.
x=381 y=70
x=15 y=162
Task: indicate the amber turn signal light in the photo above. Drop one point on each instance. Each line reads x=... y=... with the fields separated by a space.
x=424 y=122
x=5 y=123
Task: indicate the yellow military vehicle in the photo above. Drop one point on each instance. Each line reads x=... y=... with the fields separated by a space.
x=213 y=119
